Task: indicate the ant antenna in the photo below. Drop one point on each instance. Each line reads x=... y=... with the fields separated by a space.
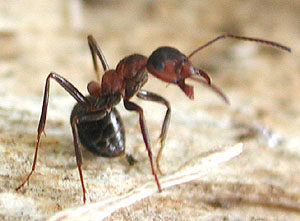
x=271 y=43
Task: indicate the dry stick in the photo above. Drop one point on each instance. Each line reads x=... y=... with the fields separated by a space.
x=102 y=209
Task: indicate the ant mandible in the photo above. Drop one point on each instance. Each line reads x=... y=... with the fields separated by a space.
x=96 y=123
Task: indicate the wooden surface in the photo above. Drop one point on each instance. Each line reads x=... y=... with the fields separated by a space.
x=262 y=183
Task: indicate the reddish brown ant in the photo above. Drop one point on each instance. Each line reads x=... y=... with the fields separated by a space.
x=97 y=125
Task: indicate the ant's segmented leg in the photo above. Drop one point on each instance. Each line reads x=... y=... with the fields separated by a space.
x=95 y=50
x=77 y=120
x=134 y=107
x=150 y=96
x=70 y=88
x=78 y=153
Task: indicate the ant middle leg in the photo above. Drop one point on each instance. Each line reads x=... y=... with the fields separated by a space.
x=150 y=96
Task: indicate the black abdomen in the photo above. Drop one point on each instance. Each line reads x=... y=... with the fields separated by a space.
x=104 y=137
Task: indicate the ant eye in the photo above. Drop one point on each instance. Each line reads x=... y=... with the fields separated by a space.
x=158 y=65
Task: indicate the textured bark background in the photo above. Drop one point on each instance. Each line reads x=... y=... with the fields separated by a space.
x=262 y=83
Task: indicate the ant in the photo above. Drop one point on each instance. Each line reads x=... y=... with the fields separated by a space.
x=96 y=123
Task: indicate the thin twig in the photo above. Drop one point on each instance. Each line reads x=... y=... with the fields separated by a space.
x=193 y=171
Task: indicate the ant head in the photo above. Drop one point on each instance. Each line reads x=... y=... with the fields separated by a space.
x=165 y=63
x=170 y=65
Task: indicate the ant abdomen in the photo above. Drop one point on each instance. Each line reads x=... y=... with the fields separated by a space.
x=105 y=136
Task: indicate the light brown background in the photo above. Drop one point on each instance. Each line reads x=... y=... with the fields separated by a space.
x=37 y=37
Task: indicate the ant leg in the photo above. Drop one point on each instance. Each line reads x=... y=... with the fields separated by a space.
x=150 y=96
x=72 y=91
x=134 y=107
x=271 y=43
x=77 y=120
x=95 y=50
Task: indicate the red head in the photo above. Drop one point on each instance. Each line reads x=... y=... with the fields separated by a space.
x=170 y=65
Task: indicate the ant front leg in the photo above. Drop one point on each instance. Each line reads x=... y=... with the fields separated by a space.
x=150 y=96
x=134 y=107
x=70 y=88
